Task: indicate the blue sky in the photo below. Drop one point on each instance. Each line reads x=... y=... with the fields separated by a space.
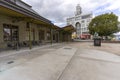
x=58 y=10
x=105 y=8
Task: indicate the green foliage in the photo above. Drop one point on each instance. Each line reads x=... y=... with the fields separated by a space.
x=104 y=25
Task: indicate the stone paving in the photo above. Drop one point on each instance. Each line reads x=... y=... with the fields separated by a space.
x=108 y=47
x=70 y=61
x=48 y=66
x=21 y=56
x=90 y=64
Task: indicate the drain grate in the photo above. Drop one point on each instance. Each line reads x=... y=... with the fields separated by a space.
x=10 y=62
x=67 y=48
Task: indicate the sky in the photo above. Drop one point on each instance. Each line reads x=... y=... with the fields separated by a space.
x=58 y=11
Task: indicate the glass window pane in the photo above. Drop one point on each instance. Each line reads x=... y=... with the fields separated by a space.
x=7 y=34
x=10 y=32
x=14 y=34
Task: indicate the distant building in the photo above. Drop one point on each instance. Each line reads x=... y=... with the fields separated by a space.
x=80 y=22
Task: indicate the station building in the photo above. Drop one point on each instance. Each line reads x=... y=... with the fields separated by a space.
x=21 y=26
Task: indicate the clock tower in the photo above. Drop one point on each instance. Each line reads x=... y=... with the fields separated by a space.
x=78 y=10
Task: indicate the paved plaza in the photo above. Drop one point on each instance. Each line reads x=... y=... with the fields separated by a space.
x=64 y=61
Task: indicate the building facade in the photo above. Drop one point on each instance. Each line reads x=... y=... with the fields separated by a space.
x=21 y=26
x=80 y=21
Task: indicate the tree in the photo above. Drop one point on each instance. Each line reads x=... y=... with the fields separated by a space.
x=104 y=25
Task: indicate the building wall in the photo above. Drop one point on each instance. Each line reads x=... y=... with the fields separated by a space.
x=44 y=29
x=84 y=22
x=66 y=37
x=34 y=32
x=18 y=25
x=23 y=32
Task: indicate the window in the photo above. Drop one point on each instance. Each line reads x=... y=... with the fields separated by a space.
x=7 y=34
x=77 y=18
x=86 y=16
x=83 y=25
x=10 y=32
x=82 y=21
x=78 y=25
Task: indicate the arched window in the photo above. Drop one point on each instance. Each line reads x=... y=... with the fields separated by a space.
x=78 y=26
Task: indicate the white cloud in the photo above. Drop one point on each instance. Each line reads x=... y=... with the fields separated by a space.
x=58 y=10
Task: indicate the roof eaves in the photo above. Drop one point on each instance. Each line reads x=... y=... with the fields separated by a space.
x=23 y=11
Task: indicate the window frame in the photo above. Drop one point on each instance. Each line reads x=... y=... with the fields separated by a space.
x=13 y=36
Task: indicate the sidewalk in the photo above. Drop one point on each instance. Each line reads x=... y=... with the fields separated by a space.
x=90 y=64
x=12 y=58
x=74 y=61
x=12 y=52
x=48 y=66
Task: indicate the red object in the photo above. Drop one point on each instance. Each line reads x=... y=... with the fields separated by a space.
x=85 y=36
